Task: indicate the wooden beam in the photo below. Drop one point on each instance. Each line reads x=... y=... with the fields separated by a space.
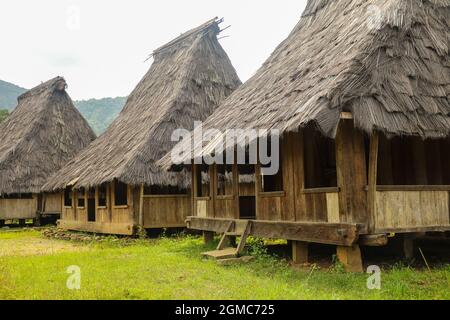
x=376 y=240
x=414 y=188
x=346 y=116
x=442 y=228
x=326 y=233
x=372 y=184
x=98 y=227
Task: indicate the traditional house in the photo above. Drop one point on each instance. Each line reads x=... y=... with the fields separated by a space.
x=41 y=135
x=114 y=185
x=359 y=92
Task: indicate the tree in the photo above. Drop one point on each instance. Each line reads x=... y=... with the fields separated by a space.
x=3 y=114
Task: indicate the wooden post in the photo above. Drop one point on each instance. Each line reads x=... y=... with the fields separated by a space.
x=350 y=257
x=2 y=223
x=22 y=222
x=193 y=188
x=257 y=189
x=75 y=205
x=408 y=246
x=351 y=173
x=141 y=207
x=212 y=191
x=109 y=200
x=208 y=237
x=373 y=173
x=237 y=211
x=130 y=204
x=299 y=252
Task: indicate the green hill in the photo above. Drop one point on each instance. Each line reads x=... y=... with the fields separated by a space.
x=8 y=95
x=3 y=114
x=98 y=112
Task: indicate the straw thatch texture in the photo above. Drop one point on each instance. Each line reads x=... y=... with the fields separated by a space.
x=189 y=77
x=386 y=61
x=41 y=135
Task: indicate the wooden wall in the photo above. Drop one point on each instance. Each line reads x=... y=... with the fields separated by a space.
x=18 y=208
x=158 y=211
x=166 y=211
x=412 y=210
x=52 y=203
x=108 y=219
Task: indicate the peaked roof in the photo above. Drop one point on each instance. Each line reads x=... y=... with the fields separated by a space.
x=386 y=61
x=189 y=77
x=41 y=135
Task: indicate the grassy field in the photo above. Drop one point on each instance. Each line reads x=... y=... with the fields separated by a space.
x=33 y=267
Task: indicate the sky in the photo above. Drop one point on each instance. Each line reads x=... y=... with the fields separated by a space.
x=100 y=46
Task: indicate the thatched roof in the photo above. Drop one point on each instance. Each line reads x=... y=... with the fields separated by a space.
x=41 y=135
x=386 y=61
x=188 y=79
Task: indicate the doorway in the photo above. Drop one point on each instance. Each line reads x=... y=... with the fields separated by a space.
x=247 y=192
x=91 y=206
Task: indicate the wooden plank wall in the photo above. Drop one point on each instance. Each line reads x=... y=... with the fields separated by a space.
x=18 y=208
x=408 y=210
x=109 y=214
x=52 y=202
x=166 y=211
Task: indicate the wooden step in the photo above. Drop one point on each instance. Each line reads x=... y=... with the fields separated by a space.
x=228 y=253
x=234 y=261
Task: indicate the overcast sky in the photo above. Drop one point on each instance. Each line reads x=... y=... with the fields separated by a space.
x=100 y=46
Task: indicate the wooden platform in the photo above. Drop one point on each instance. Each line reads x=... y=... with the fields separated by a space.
x=324 y=233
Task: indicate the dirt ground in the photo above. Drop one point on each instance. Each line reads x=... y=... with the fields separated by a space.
x=30 y=245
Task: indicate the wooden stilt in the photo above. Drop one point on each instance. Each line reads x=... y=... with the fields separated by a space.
x=22 y=222
x=299 y=252
x=408 y=246
x=2 y=223
x=351 y=258
x=37 y=221
x=208 y=237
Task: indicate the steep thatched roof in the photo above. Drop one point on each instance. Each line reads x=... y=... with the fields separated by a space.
x=386 y=61
x=41 y=135
x=189 y=77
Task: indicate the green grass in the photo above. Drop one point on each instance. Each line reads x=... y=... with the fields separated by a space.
x=173 y=269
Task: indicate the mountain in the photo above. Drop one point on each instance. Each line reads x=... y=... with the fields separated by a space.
x=8 y=95
x=100 y=113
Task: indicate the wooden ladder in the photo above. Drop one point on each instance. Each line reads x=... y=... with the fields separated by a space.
x=225 y=252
